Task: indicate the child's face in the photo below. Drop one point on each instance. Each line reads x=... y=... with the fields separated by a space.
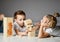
x=20 y=20
x=44 y=21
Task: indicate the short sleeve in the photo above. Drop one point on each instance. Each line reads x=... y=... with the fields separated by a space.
x=15 y=26
x=48 y=30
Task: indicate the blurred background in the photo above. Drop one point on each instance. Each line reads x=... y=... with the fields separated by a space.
x=34 y=9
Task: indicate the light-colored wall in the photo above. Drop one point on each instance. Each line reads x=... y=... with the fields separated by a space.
x=34 y=9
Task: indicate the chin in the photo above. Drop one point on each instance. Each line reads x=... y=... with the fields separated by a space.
x=21 y=25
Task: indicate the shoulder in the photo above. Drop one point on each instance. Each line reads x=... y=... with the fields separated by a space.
x=15 y=24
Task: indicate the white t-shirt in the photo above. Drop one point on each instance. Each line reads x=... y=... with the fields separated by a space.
x=58 y=21
x=49 y=30
x=53 y=31
x=16 y=26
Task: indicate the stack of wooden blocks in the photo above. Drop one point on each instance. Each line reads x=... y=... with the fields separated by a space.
x=29 y=25
x=8 y=26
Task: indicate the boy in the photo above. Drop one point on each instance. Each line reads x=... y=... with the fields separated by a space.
x=19 y=17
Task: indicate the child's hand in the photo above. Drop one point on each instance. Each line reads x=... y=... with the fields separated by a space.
x=38 y=24
x=26 y=33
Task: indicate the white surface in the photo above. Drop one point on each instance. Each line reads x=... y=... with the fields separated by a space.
x=27 y=39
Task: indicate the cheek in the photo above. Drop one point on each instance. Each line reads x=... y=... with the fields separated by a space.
x=45 y=24
x=18 y=21
x=21 y=22
x=50 y=23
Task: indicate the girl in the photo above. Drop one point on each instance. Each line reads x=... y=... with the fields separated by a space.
x=47 y=26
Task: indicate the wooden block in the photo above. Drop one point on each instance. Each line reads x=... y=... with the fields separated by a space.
x=8 y=26
x=29 y=26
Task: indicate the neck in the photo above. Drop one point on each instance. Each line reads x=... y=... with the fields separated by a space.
x=21 y=26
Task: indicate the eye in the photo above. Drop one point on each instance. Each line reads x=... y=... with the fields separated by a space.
x=20 y=20
x=28 y=27
x=24 y=19
x=45 y=21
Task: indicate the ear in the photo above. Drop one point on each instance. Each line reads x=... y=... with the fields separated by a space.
x=50 y=24
x=52 y=18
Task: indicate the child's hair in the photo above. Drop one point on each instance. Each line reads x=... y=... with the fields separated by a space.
x=1 y=14
x=56 y=14
x=19 y=12
x=52 y=20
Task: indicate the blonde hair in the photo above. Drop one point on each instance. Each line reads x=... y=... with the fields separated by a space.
x=56 y=14
x=52 y=21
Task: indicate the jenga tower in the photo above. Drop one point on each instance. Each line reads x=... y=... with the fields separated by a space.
x=29 y=26
x=8 y=26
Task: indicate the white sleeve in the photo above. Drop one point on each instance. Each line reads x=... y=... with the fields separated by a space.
x=49 y=30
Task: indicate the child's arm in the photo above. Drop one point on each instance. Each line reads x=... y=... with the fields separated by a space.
x=36 y=26
x=20 y=33
x=42 y=33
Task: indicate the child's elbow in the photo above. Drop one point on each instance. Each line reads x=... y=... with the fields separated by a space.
x=40 y=36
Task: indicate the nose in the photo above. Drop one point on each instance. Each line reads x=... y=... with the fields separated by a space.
x=22 y=21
